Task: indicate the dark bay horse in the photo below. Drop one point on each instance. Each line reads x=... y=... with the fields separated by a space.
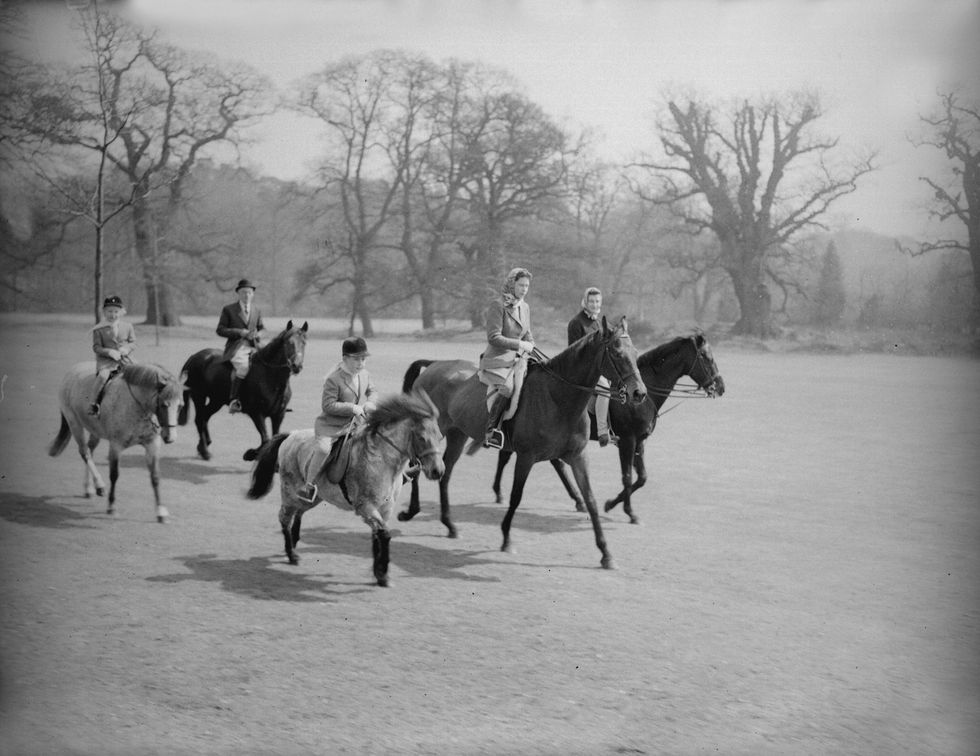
x=402 y=428
x=140 y=406
x=661 y=368
x=551 y=420
x=264 y=392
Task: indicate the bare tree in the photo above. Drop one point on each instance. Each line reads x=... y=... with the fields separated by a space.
x=955 y=130
x=147 y=111
x=754 y=179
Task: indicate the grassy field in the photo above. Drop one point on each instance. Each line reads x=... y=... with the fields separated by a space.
x=805 y=581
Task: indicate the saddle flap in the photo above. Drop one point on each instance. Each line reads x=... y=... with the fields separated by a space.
x=338 y=461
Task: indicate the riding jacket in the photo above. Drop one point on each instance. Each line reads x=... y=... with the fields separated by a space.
x=581 y=325
x=341 y=391
x=232 y=322
x=108 y=342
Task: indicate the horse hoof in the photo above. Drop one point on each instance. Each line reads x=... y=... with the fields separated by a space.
x=250 y=455
x=100 y=492
x=508 y=549
x=203 y=453
x=404 y=517
x=384 y=582
x=293 y=558
x=609 y=506
x=608 y=563
x=453 y=533
x=111 y=512
x=634 y=520
x=579 y=507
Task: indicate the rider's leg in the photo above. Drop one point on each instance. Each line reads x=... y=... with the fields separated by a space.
x=494 y=436
x=309 y=492
x=101 y=380
x=603 y=432
x=239 y=367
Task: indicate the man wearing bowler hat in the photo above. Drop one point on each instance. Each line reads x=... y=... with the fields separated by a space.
x=240 y=323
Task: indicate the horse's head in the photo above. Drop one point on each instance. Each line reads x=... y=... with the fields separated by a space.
x=704 y=371
x=294 y=346
x=169 y=399
x=426 y=436
x=619 y=362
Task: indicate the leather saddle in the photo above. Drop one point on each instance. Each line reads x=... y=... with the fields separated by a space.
x=339 y=459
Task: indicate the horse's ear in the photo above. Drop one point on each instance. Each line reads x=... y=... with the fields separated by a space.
x=605 y=325
x=306 y=326
x=289 y=325
x=624 y=325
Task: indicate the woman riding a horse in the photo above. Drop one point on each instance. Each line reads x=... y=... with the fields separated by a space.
x=509 y=341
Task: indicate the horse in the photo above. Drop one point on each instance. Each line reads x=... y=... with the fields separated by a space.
x=550 y=422
x=402 y=428
x=140 y=406
x=660 y=367
x=264 y=392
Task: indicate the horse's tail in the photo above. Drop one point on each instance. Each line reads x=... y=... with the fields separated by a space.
x=265 y=466
x=412 y=374
x=185 y=406
x=61 y=441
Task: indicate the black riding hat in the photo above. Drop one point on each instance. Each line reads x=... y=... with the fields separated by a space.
x=113 y=301
x=245 y=284
x=355 y=346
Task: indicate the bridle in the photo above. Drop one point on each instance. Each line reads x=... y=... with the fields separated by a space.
x=697 y=391
x=290 y=359
x=152 y=414
x=619 y=394
x=413 y=452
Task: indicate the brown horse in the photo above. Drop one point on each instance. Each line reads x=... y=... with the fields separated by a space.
x=661 y=368
x=550 y=422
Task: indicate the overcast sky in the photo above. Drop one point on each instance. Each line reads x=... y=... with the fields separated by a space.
x=878 y=64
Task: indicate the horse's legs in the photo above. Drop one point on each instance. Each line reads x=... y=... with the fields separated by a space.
x=570 y=489
x=202 y=413
x=259 y=422
x=580 y=469
x=502 y=459
x=113 y=477
x=626 y=450
x=153 y=465
x=289 y=520
x=380 y=540
x=641 y=478
x=521 y=470
x=455 y=441
x=93 y=481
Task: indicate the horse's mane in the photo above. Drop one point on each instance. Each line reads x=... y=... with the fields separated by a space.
x=667 y=350
x=150 y=376
x=276 y=341
x=572 y=352
x=397 y=407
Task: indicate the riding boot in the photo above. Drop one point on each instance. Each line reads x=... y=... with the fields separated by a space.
x=233 y=404
x=495 y=436
x=96 y=407
x=603 y=432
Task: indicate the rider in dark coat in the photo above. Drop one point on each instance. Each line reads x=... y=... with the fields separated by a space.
x=240 y=323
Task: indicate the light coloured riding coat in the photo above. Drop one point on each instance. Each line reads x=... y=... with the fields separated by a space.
x=341 y=392
x=506 y=328
x=106 y=339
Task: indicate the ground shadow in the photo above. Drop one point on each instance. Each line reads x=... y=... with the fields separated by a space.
x=411 y=557
x=42 y=512
x=551 y=521
x=193 y=470
x=261 y=578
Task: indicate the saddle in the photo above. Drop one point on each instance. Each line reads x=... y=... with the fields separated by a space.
x=338 y=460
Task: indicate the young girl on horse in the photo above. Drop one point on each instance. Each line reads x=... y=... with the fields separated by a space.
x=113 y=340
x=348 y=396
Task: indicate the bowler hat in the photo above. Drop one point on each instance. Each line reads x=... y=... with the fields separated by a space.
x=355 y=346
x=245 y=284
x=112 y=301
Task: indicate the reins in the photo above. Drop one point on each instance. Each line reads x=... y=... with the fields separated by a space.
x=619 y=395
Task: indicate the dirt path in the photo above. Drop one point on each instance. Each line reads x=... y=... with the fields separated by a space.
x=805 y=581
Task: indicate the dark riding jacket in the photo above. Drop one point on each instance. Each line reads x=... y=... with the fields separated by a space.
x=231 y=325
x=580 y=326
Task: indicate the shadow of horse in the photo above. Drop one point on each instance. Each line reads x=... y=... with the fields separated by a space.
x=257 y=578
x=41 y=512
x=547 y=522
x=188 y=470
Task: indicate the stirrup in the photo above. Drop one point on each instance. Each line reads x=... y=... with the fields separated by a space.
x=94 y=410
x=234 y=406
x=312 y=498
x=494 y=439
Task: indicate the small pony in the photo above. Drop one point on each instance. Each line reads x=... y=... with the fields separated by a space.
x=402 y=428
x=140 y=406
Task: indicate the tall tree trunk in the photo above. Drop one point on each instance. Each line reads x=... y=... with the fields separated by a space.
x=159 y=303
